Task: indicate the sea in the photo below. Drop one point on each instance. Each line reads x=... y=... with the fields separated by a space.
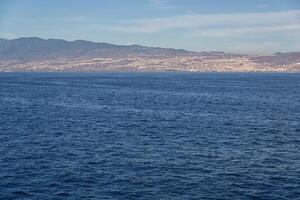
x=149 y=136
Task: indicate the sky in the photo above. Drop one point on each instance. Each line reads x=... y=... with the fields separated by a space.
x=258 y=27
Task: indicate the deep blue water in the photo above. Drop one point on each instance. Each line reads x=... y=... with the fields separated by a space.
x=149 y=136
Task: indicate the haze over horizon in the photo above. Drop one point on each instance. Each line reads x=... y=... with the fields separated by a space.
x=255 y=27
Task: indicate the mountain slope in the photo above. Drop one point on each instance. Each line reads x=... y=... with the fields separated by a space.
x=33 y=48
x=36 y=54
x=280 y=58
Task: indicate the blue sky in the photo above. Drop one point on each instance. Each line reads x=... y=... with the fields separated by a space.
x=241 y=26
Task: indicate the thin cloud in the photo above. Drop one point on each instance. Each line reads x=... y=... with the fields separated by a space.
x=8 y=35
x=263 y=5
x=162 y=4
x=77 y=19
x=196 y=21
x=233 y=32
x=260 y=48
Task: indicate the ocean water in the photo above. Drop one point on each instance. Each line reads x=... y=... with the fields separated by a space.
x=149 y=136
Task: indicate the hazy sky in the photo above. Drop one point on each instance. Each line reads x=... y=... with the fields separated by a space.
x=244 y=26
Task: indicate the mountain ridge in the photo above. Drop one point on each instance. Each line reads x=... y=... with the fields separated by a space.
x=27 y=48
x=38 y=54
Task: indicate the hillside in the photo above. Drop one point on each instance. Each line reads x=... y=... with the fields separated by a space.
x=36 y=54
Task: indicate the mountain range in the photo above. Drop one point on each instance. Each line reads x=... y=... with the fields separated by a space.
x=37 y=54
